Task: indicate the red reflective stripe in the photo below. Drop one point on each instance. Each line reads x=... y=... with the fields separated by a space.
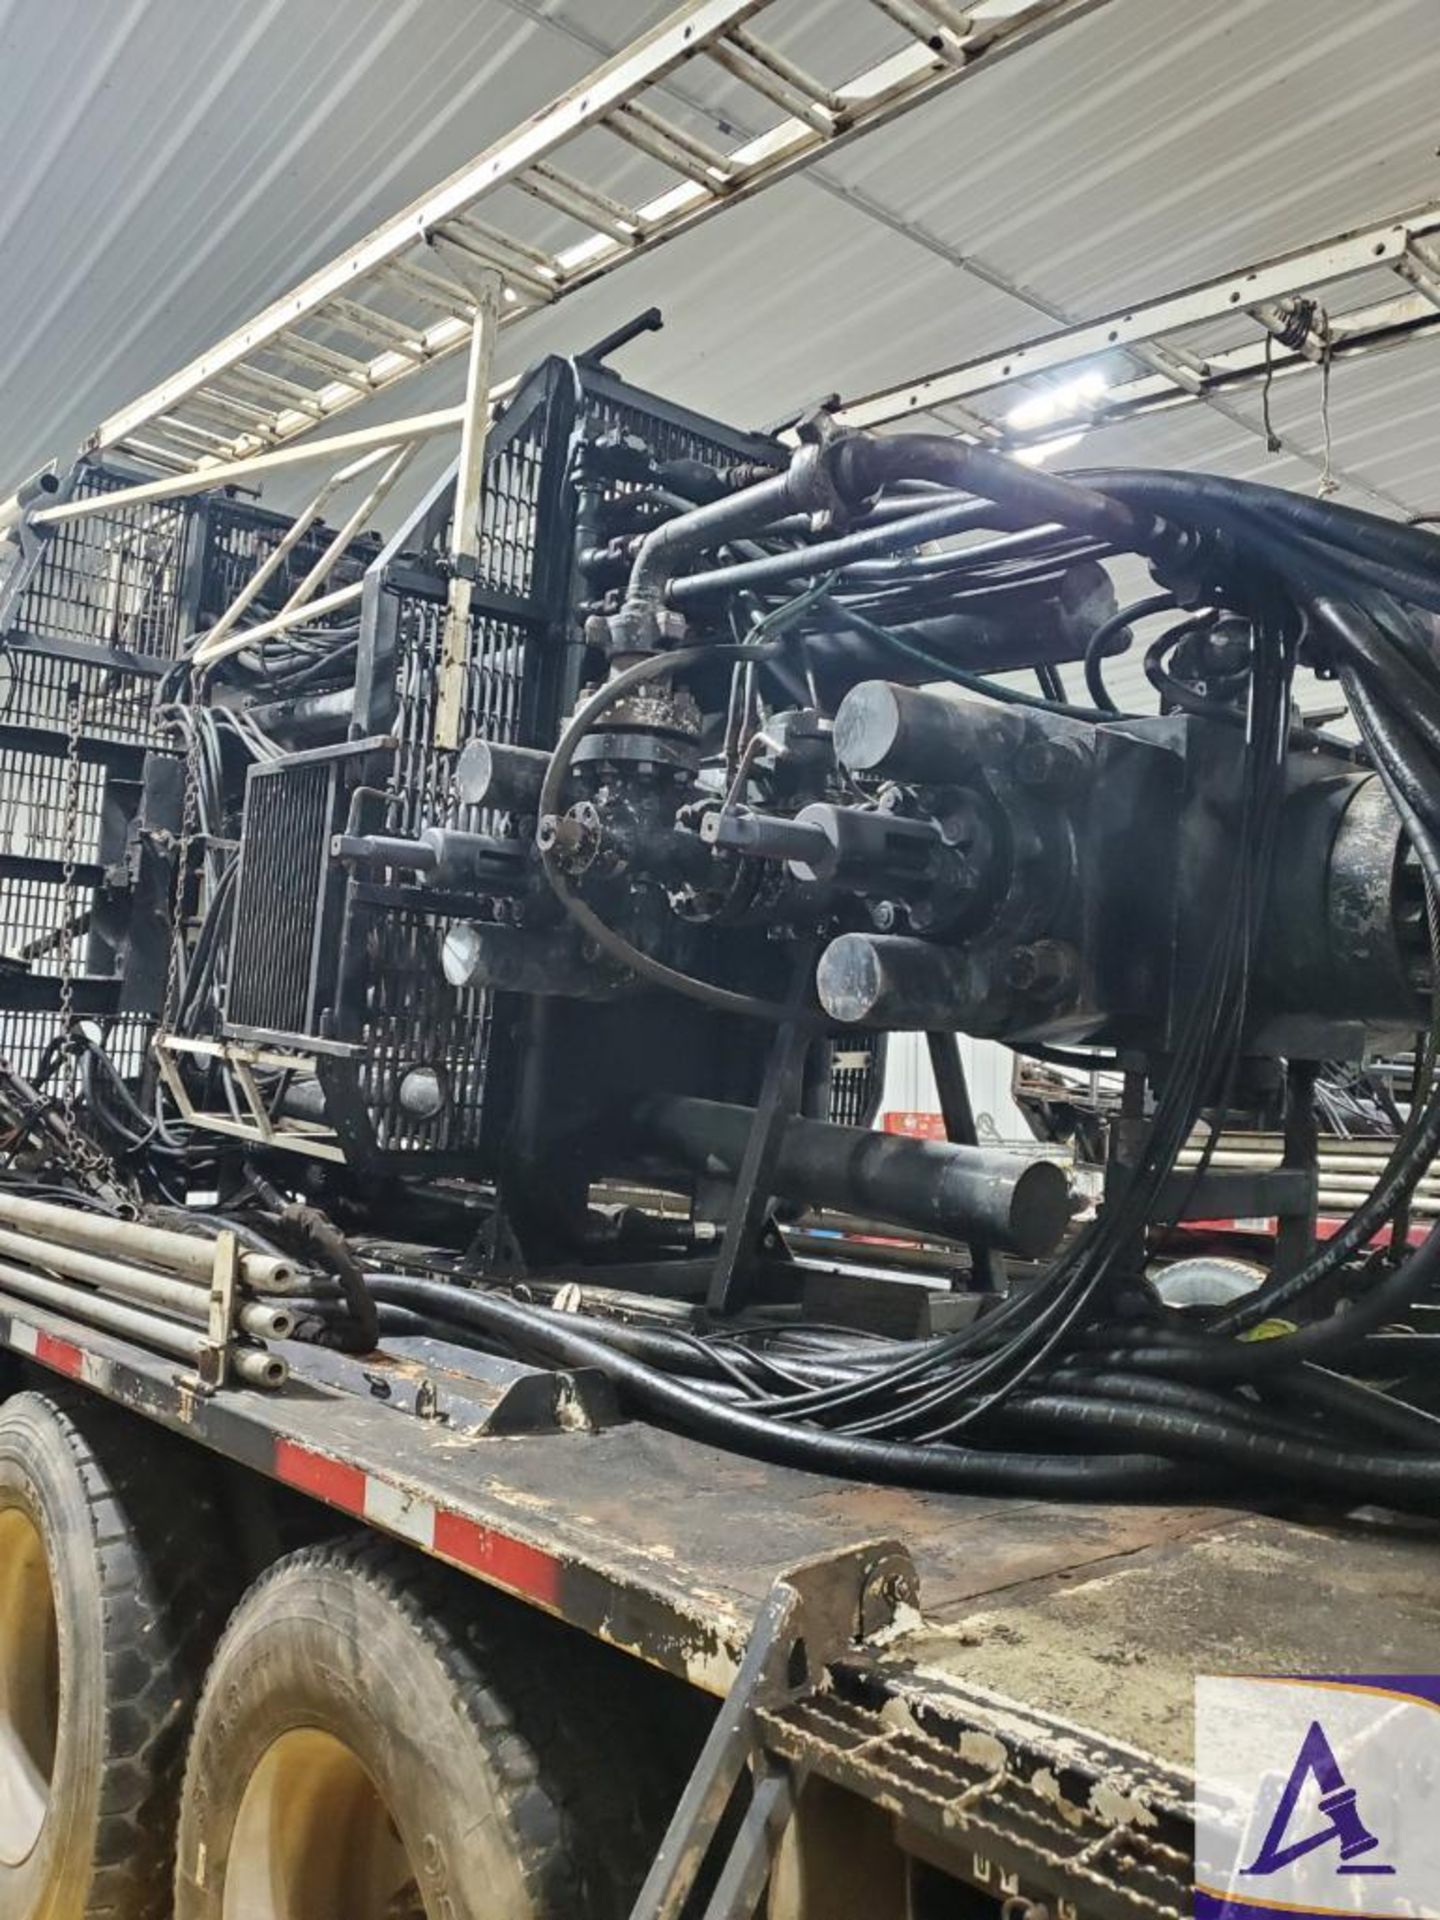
x=333 y=1481
x=63 y=1355
x=510 y=1563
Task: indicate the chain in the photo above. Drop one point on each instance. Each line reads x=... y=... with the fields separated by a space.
x=70 y=901
x=189 y=817
x=85 y=1158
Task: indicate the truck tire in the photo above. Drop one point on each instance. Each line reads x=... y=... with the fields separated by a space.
x=362 y=1751
x=105 y=1631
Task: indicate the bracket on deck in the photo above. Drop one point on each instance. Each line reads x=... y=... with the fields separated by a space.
x=814 y=1615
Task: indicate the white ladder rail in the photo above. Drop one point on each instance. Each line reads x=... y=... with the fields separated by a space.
x=1176 y=373
x=418 y=254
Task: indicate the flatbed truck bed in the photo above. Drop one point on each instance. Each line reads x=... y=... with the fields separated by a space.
x=1050 y=1649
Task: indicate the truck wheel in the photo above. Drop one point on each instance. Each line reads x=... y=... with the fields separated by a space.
x=104 y=1636
x=358 y=1755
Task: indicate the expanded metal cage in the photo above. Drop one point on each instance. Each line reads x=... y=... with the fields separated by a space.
x=111 y=579
x=357 y=964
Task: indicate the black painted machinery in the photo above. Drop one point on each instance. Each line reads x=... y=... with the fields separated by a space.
x=736 y=771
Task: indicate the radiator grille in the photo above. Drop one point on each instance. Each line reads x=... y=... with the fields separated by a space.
x=278 y=902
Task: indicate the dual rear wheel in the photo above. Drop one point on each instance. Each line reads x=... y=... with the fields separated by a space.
x=358 y=1747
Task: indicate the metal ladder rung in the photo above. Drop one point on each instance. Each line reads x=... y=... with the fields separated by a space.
x=922 y=17
x=168 y=459
x=186 y=430
x=490 y=248
x=305 y=399
x=783 y=84
x=211 y=401
x=586 y=204
x=378 y=327
x=648 y=133
x=306 y=352
x=431 y=288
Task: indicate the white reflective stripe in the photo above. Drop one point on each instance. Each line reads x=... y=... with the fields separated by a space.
x=399 y=1512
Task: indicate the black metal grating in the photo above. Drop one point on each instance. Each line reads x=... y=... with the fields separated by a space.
x=857 y=1070
x=414 y=1018
x=111 y=579
x=278 y=902
x=33 y=792
x=25 y=1034
x=36 y=690
x=422 y=782
x=33 y=924
x=240 y=538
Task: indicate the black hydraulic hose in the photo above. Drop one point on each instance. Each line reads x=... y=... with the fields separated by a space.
x=748 y=511
x=863 y=465
x=945 y=1469
x=825 y=556
x=1408 y=1480
x=1007 y=555
x=971 y=682
x=317 y=1236
x=1352 y=1402
x=1108 y=630
x=1328 y=522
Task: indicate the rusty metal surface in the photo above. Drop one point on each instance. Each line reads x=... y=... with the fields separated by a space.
x=1115 y=1646
x=1100 y=1615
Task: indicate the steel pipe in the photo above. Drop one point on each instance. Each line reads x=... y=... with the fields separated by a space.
x=929 y=1185
x=188 y=1299
x=190 y=1255
x=179 y=1342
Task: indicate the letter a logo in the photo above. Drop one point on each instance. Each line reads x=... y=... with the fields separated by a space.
x=1343 y=1825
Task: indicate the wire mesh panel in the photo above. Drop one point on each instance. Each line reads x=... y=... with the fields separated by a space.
x=240 y=537
x=111 y=579
x=37 y=688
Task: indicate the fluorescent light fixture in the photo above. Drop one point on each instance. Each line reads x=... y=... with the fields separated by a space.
x=1058 y=403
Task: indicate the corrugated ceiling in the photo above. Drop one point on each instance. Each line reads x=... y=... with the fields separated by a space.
x=169 y=166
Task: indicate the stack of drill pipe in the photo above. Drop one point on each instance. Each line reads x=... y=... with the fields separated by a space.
x=1348 y=1169
x=143 y=1283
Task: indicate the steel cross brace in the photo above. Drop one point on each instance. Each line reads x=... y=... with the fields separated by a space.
x=815 y=1614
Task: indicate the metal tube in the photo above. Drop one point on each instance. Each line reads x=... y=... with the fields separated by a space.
x=490 y=774
x=131 y=1323
x=419 y=426
x=894 y=982
x=357 y=521
x=929 y=1185
x=188 y=1298
x=190 y=1255
x=259 y=1369
x=465 y=527
x=265 y=1322
x=901 y=733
